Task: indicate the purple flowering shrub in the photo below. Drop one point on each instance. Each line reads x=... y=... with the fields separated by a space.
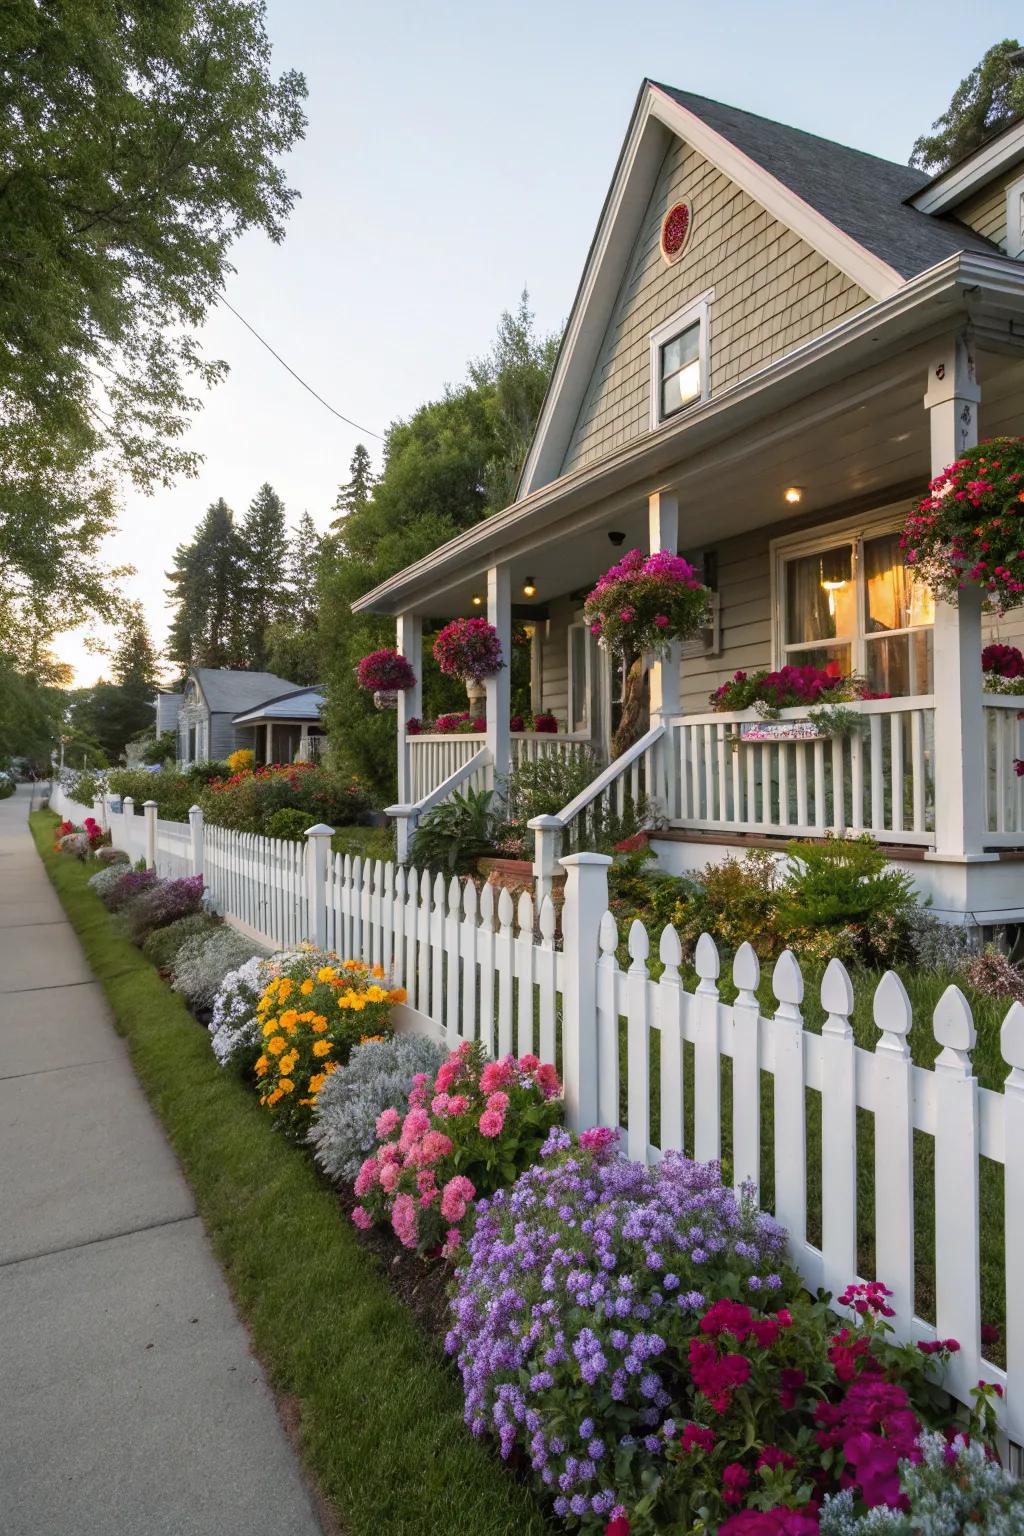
x=164 y=902
x=583 y=1284
x=131 y=884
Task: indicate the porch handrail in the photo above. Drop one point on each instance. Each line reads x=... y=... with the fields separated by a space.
x=407 y=816
x=548 y=830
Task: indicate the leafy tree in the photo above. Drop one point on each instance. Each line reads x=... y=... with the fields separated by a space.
x=988 y=100
x=444 y=469
x=262 y=573
x=205 y=586
x=114 y=712
x=139 y=142
x=355 y=493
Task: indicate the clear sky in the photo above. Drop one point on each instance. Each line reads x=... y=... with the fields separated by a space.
x=457 y=152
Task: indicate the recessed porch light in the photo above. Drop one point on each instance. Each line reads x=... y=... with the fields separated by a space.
x=478 y=601
x=793 y=494
x=529 y=587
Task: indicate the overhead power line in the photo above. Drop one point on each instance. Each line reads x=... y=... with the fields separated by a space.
x=369 y=432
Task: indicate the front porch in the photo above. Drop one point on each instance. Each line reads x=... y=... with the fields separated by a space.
x=929 y=772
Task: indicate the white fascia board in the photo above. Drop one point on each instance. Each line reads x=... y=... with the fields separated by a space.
x=868 y=271
x=916 y=305
x=954 y=185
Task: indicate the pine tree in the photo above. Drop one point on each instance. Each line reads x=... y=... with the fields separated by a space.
x=355 y=494
x=205 y=591
x=305 y=549
x=263 y=574
x=134 y=660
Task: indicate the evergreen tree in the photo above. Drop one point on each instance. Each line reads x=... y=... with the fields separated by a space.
x=354 y=495
x=134 y=660
x=293 y=644
x=261 y=595
x=305 y=550
x=205 y=590
x=988 y=100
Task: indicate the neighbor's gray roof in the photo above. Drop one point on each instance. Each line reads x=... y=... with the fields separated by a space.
x=227 y=692
x=860 y=194
x=299 y=704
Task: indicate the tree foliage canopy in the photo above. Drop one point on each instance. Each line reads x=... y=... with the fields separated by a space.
x=988 y=100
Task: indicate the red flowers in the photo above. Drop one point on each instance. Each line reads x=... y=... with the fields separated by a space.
x=1002 y=661
x=716 y=1377
x=772 y=1522
x=696 y=1438
x=385 y=670
x=866 y=1298
x=735 y=1482
x=470 y=649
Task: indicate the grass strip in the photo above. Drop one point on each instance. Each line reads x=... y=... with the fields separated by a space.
x=381 y=1415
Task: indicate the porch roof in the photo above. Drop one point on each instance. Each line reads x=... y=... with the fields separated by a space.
x=873 y=358
x=299 y=705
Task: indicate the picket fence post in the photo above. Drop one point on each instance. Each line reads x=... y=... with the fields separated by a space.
x=149 y=811
x=195 y=826
x=318 y=851
x=99 y=811
x=1011 y=1044
x=586 y=902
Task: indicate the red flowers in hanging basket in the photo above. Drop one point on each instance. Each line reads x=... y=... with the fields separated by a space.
x=385 y=671
x=470 y=649
x=645 y=602
x=969 y=530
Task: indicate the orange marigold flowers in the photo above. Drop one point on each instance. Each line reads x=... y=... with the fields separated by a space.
x=378 y=971
x=263 y=1062
x=318 y=1024
x=321 y=1047
x=397 y=995
x=307 y=987
x=289 y=1019
x=277 y=1045
x=286 y=1085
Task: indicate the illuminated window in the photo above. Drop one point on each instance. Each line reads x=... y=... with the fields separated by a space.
x=679 y=361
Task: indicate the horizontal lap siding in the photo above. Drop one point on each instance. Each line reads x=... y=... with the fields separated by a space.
x=772 y=291
x=744 y=586
x=555 y=660
x=986 y=212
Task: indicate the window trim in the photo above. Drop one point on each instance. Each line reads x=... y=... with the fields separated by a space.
x=696 y=311
x=1015 y=219
x=588 y=678
x=812 y=541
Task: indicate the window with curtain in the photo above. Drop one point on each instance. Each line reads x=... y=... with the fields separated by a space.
x=854 y=605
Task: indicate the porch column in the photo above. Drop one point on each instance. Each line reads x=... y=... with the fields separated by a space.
x=410 y=702
x=499 y=688
x=270 y=743
x=952 y=403
x=663 y=524
x=303 y=742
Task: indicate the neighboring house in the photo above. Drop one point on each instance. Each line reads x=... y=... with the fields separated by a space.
x=286 y=729
x=776 y=341
x=167 y=705
x=210 y=700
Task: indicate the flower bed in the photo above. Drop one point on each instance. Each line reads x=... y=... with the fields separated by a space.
x=249 y=800
x=969 y=529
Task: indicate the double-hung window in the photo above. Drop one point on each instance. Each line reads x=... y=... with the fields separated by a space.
x=845 y=601
x=679 y=361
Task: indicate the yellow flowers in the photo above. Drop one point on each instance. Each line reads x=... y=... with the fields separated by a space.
x=276 y=1045
x=376 y=995
x=321 y=1047
x=307 y=987
x=353 y=1000
x=326 y=973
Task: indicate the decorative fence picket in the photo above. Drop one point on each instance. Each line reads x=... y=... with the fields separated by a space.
x=674 y=1068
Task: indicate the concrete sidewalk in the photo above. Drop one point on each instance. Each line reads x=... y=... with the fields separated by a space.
x=131 y=1404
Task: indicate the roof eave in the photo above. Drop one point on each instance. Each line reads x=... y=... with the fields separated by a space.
x=794 y=374
x=951 y=187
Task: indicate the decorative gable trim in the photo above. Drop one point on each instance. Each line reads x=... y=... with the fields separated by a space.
x=656 y=118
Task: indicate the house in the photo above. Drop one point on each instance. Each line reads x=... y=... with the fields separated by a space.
x=286 y=728
x=210 y=700
x=776 y=342
x=167 y=706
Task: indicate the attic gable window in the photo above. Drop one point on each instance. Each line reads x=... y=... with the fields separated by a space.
x=679 y=361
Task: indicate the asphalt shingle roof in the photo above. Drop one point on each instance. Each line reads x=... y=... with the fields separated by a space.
x=859 y=193
x=231 y=692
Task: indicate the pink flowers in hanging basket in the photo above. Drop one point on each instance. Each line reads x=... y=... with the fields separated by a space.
x=386 y=671
x=470 y=649
x=645 y=602
x=969 y=530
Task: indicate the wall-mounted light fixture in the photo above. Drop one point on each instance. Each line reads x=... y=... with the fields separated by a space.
x=793 y=494
x=478 y=601
x=616 y=538
x=529 y=587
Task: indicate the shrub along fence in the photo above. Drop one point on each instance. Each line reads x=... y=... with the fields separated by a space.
x=674 y=1068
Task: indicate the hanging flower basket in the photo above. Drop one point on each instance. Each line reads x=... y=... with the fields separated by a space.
x=969 y=530
x=385 y=671
x=385 y=698
x=470 y=649
x=645 y=602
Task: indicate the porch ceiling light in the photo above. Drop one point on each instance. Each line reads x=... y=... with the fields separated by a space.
x=529 y=587
x=793 y=494
x=478 y=601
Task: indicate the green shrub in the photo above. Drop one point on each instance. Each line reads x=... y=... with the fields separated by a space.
x=161 y=749
x=458 y=832
x=204 y=960
x=85 y=788
x=163 y=944
x=7 y=787
x=844 y=884
x=248 y=801
x=291 y=823
x=736 y=902
x=175 y=793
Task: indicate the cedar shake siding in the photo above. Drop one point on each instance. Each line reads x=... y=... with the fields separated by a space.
x=772 y=292
x=986 y=210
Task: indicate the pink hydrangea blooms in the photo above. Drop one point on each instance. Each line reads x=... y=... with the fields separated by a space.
x=456 y=1141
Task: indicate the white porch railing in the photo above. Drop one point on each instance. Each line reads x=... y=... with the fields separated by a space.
x=475 y=772
x=879 y=780
x=632 y=778
x=432 y=759
x=1004 y=789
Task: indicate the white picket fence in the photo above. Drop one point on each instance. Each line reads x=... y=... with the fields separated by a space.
x=649 y=1056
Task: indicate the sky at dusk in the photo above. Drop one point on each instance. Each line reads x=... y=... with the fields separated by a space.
x=457 y=153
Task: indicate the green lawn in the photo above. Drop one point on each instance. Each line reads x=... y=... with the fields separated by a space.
x=381 y=1413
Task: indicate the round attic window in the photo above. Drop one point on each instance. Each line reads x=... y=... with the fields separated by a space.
x=675 y=231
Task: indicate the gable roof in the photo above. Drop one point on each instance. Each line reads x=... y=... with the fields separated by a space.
x=228 y=692
x=847 y=205
x=861 y=194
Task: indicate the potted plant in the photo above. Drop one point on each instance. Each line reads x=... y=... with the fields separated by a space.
x=385 y=673
x=641 y=605
x=969 y=530
x=470 y=649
